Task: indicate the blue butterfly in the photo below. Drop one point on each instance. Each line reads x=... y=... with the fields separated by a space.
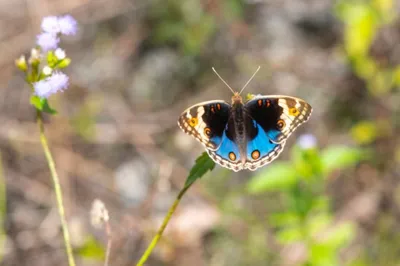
x=245 y=135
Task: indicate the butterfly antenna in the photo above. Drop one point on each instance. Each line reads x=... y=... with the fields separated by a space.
x=247 y=83
x=215 y=71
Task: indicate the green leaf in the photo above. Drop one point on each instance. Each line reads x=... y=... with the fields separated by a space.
x=203 y=164
x=290 y=235
x=364 y=132
x=284 y=219
x=341 y=235
x=307 y=162
x=92 y=249
x=321 y=254
x=36 y=101
x=52 y=59
x=47 y=108
x=64 y=63
x=278 y=176
x=337 y=157
x=42 y=104
x=317 y=223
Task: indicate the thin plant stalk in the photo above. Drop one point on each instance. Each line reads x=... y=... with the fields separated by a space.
x=164 y=224
x=57 y=188
x=109 y=243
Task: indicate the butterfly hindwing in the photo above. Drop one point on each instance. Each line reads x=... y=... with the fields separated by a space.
x=260 y=149
x=206 y=121
x=278 y=115
x=228 y=154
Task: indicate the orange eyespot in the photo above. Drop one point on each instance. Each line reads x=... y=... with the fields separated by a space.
x=255 y=154
x=294 y=111
x=193 y=121
x=268 y=103
x=207 y=131
x=232 y=156
x=259 y=102
x=280 y=124
x=218 y=106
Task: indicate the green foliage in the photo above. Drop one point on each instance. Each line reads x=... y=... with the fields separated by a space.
x=63 y=63
x=307 y=216
x=187 y=24
x=365 y=132
x=183 y=23
x=202 y=166
x=363 y=20
x=281 y=176
x=339 y=157
x=92 y=249
x=55 y=63
x=52 y=59
x=42 y=104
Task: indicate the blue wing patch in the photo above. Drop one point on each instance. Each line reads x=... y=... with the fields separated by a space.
x=261 y=143
x=228 y=149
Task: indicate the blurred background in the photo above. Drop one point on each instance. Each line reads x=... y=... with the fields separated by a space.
x=331 y=198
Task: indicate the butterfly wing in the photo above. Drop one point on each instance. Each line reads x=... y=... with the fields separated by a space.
x=273 y=118
x=278 y=115
x=228 y=153
x=260 y=149
x=206 y=122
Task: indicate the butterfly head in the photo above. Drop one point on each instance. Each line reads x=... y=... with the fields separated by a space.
x=236 y=98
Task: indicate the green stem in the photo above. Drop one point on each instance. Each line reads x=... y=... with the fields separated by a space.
x=164 y=224
x=57 y=188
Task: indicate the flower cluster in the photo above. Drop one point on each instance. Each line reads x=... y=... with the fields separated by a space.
x=52 y=26
x=42 y=69
x=49 y=79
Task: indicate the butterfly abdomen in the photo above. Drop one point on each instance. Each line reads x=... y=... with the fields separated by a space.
x=239 y=120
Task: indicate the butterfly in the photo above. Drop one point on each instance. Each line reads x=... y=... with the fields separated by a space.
x=245 y=135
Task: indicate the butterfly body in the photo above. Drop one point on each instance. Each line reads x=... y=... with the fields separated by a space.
x=245 y=135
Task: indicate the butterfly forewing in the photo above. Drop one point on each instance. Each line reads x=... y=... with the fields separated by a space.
x=206 y=122
x=279 y=115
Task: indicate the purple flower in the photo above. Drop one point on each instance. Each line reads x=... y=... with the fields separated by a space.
x=59 y=81
x=47 y=41
x=53 y=84
x=307 y=141
x=68 y=25
x=50 y=25
x=42 y=89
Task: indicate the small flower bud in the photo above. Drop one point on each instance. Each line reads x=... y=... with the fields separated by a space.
x=47 y=70
x=21 y=63
x=59 y=53
x=34 y=59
